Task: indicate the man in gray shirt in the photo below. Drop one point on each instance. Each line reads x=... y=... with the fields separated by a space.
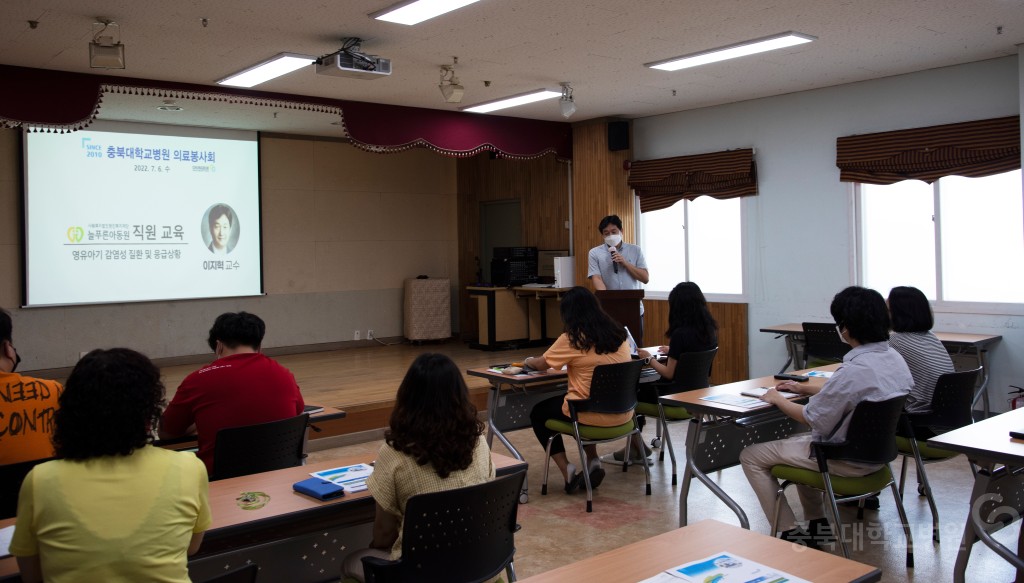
x=616 y=265
x=871 y=371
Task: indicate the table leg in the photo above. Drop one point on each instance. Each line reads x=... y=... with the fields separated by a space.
x=692 y=469
x=982 y=391
x=492 y=408
x=791 y=351
x=981 y=485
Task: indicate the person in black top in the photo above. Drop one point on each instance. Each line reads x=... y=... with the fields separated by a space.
x=691 y=328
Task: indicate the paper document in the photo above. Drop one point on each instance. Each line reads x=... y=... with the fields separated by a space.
x=820 y=374
x=5 y=540
x=352 y=478
x=735 y=401
x=760 y=391
x=723 y=568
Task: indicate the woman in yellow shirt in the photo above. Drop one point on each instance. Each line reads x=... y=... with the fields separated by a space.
x=591 y=338
x=113 y=508
x=434 y=442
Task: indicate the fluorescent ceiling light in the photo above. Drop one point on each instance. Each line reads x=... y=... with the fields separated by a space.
x=750 y=47
x=272 y=68
x=538 y=95
x=416 y=11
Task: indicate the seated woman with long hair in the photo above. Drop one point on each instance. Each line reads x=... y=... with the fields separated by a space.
x=434 y=442
x=113 y=507
x=591 y=338
x=691 y=328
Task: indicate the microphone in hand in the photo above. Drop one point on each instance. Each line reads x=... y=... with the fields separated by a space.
x=615 y=266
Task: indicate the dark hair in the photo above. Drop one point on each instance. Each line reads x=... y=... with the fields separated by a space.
x=433 y=420
x=609 y=220
x=909 y=310
x=217 y=211
x=6 y=326
x=587 y=325
x=110 y=405
x=237 y=329
x=863 y=313
x=687 y=308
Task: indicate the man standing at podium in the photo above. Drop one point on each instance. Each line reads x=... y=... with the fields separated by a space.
x=616 y=265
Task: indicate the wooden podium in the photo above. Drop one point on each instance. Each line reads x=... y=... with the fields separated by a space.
x=624 y=306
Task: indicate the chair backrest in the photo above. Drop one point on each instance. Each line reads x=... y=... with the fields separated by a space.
x=952 y=400
x=250 y=449
x=11 y=477
x=871 y=435
x=465 y=535
x=822 y=341
x=693 y=371
x=246 y=574
x=612 y=388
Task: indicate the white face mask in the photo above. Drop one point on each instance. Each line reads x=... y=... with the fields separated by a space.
x=613 y=240
x=841 y=337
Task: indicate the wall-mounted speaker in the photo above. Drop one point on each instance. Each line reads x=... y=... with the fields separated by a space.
x=618 y=135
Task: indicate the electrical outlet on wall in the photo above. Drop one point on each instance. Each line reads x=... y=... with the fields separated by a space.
x=356 y=335
x=370 y=335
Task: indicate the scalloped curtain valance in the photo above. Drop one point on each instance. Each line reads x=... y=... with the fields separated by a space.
x=973 y=149
x=662 y=182
x=60 y=101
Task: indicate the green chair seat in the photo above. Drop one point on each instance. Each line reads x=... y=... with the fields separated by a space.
x=651 y=410
x=590 y=432
x=852 y=486
x=928 y=453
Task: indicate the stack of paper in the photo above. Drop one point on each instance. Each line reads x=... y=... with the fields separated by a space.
x=723 y=568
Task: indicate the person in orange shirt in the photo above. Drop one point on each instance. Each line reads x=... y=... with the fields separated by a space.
x=591 y=338
x=27 y=405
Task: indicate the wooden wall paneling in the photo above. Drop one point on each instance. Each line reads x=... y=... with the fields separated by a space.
x=731 y=362
x=541 y=186
x=599 y=190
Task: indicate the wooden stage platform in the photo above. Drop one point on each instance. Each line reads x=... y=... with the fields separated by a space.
x=363 y=381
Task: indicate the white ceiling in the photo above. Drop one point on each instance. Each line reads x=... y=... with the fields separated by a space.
x=518 y=45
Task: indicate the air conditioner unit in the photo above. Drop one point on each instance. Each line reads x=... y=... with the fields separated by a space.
x=354 y=65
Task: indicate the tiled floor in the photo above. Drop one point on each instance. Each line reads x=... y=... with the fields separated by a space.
x=556 y=530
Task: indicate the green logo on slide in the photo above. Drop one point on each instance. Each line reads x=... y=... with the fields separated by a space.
x=75 y=234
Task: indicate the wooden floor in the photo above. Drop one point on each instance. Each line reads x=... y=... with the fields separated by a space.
x=363 y=381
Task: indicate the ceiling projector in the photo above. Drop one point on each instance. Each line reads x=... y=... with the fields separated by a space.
x=348 y=63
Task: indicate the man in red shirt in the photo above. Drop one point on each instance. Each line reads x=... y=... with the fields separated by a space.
x=242 y=387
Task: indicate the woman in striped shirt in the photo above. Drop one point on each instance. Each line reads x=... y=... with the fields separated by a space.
x=911 y=336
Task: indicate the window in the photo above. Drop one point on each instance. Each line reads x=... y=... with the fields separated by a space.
x=957 y=240
x=699 y=241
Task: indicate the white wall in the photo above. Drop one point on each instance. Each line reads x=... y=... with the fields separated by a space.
x=798 y=241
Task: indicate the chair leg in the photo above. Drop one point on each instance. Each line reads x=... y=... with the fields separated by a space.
x=778 y=507
x=833 y=509
x=510 y=572
x=906 y=523
x=584 y=467
x=922 y=478
x=667 y=442
x=627 y=457
x=647 y=468
x=547 y=465
x=903 y=474
x=662 y=433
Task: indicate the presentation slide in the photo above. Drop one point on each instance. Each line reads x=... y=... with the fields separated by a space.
x=126 y=212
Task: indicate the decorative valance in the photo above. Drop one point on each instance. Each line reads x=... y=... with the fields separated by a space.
x=972 y=149
x=60 y=101
x=662 y=182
